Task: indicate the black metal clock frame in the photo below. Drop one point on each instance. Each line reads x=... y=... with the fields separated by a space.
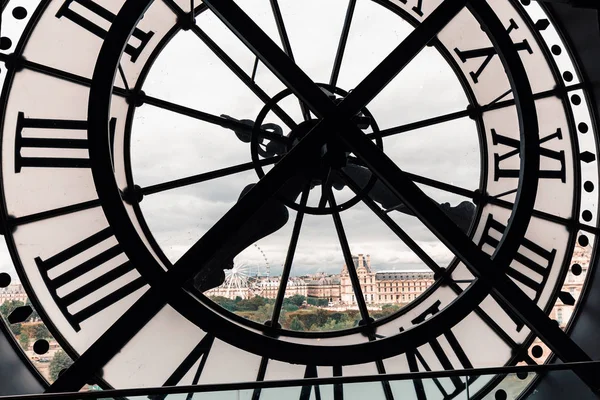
x=168 y=288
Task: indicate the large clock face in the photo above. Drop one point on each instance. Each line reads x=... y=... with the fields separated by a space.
x=147 y=145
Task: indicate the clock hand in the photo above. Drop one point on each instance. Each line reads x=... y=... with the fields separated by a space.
x=461 y=215
x=277 y=144
x=268 y=219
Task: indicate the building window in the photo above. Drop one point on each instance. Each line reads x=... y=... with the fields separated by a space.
x=559 y=316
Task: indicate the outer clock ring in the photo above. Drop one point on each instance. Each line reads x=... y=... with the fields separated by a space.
x=99 y=106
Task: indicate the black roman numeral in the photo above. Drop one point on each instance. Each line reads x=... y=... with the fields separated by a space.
x=90 y=7
x=87 y=289
x=416 y=360
x=418 y=9
x=539 y=267
x=54 y=146
x=548 y=173
x=200 y=351
x=489 y=53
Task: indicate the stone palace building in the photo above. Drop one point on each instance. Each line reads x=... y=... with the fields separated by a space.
x=378 y=287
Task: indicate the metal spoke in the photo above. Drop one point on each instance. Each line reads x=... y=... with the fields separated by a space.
x=228 y=123
x=57 y=212
x=56 y=73
x=493 y=105
x=287 y=266
x=419 y=124
x=410 y=243
x=122 y=74
x=447 y=187
x=535 y=213
x=287 y=47
x=247 y=80
x=228 y=61
x=324 y=192
x=339 y=227
x=337 y=64
x=206 y=176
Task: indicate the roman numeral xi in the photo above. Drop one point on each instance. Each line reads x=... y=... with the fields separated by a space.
x=76 y=11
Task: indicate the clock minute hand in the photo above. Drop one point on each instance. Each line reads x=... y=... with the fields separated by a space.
x=461 y=215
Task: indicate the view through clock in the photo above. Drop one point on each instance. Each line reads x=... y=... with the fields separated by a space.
x=219 y=191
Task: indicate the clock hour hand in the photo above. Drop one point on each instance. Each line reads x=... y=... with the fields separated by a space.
x=268 y=219
x=273 y=132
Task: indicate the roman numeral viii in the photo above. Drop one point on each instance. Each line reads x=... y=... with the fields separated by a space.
x=76 y=11
x=97 y=294
x=51 y=142
x=532 y=263
x=449 y=357
x=488 y=53
x=547 y=156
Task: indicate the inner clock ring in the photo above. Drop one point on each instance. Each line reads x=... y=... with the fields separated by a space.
x=332 y=159
x=135 y=248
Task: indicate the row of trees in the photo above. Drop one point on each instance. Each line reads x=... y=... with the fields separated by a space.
x=296 y=316
x=291 y=303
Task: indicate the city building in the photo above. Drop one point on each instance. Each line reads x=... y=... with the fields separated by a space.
x=13 y=292
x=383 y=287
x=323 y=286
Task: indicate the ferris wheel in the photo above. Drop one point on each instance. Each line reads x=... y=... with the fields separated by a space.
x=236 y=281
x=244 y=280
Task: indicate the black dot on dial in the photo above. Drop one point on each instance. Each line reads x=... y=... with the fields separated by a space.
x=5 y=43
x=537 y=351
x=575 y=99
x=588 y=186
x=567 y=76
x=500 y=395
x=526 y=2
x=583 y=127
x=41 y=346
x=576 y=269
x=522 y=375
x=583 y=240
x=587 y=215
x=19 y=12
x=556 y=50
x=4 y=279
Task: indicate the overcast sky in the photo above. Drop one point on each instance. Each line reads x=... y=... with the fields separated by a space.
x=168 y=146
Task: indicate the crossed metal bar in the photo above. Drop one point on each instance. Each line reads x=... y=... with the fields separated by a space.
x=335 y=124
